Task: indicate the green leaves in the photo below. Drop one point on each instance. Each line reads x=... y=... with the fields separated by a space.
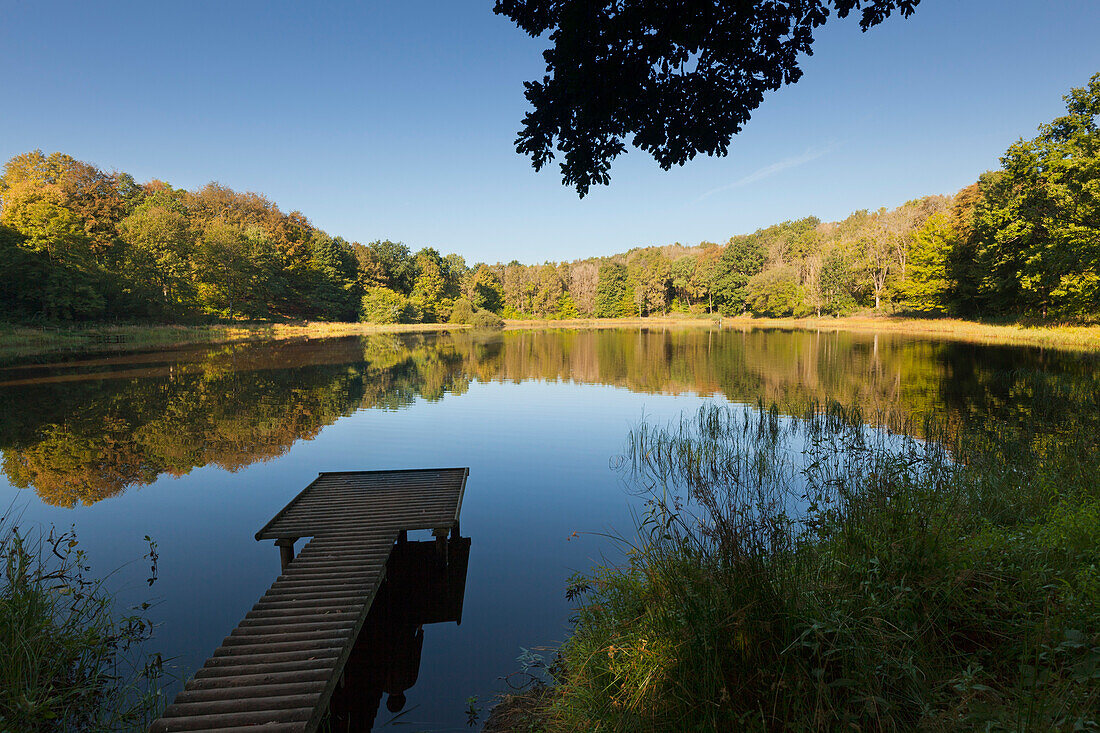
x=1038 y=222
x=675 y=80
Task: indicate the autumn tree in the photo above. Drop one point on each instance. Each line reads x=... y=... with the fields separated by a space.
x=159 y=250
x=583 y=281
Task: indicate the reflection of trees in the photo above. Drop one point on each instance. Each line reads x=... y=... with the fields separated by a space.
x=130 y=431
x=82 y=431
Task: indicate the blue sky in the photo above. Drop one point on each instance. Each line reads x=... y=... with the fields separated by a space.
x=396 y=119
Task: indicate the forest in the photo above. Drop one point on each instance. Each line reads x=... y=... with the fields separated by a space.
x=78 y=243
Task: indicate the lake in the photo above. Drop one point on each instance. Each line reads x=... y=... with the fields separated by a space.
x=198 y=447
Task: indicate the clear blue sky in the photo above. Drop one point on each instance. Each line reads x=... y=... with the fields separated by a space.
x=396 y=119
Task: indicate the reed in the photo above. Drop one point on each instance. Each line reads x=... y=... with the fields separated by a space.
x=68 y=660
x=818 y=573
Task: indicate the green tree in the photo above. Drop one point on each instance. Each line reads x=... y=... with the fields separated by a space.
x=928 y=286
x=836 y=284
x=461 y=312
x=38 y=213
x=335 y=290
x=776 y=292
x=389 y=264
x=159 y=248
x=224 y=267
x=382 y=305
x=653 y=276
x=454 y=275
x=611 y=290
x=1038 y=222
x=548 y=291
x=428 y=289
x=566 y=307
x=484 y=290
x=741 y=258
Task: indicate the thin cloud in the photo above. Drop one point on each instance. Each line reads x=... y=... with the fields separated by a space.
x=775 y=168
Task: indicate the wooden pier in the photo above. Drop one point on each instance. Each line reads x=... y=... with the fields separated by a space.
x=278 y=669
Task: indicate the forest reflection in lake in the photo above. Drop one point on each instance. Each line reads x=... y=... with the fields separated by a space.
x=199 y=446
x=84 y=429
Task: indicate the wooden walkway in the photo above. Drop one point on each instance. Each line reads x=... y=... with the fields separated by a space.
x=277 y=670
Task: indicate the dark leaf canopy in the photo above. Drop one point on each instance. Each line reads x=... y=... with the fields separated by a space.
x=675 y=78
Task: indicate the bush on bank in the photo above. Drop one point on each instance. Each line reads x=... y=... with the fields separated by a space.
x=814 y=574
x=68 y=660
x=464 y=312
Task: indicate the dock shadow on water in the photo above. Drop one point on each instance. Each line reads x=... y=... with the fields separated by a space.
x=418 y=591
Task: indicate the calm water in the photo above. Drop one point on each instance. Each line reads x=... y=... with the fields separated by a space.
x=199 y=447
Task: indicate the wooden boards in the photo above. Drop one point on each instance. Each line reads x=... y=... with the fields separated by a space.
x=276 y=671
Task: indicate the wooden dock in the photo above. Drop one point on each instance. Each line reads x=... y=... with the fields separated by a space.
x=277 y=670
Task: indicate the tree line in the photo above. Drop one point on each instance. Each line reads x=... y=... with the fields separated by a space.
x=78 y=243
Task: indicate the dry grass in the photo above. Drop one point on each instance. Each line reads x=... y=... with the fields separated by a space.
x=652 y=322
x=1059 y=336
x=1071 y=337
x=520 y=712
x=23 y=341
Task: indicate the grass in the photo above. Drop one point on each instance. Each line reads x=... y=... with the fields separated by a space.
x=68 y=661
x=813 y=573
x=17 y=341
x=1068 y=336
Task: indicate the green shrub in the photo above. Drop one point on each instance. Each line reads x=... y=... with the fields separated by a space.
x=776 y=293
x=488 y=320
x=382 y=305
x=461 y=312
x=68 y=661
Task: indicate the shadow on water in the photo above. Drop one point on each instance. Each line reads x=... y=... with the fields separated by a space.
x=419 y=590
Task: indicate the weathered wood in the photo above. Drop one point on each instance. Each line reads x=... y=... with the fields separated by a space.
x=277 y=670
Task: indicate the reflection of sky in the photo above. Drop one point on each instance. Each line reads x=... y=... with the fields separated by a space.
x=539 y=470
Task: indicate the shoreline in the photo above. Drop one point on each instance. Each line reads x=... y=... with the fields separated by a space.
x=16 y=341
x=1070 y=337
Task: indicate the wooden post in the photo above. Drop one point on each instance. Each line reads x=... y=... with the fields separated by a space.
x=286 y=550
x=440 y=534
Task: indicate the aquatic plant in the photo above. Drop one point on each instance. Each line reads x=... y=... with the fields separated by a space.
x=814 y=573
x=69 y=661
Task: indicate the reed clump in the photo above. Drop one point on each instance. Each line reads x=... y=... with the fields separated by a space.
x=69 y=661
x=814 y=573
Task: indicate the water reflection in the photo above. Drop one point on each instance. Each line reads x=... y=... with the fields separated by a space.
x=420 y=589
x=85 y=429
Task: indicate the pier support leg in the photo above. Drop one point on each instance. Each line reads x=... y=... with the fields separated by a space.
x=286 y=550
x=440 y=534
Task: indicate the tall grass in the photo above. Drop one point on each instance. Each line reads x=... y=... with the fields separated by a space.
x=68 y=661
x=813 y=573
